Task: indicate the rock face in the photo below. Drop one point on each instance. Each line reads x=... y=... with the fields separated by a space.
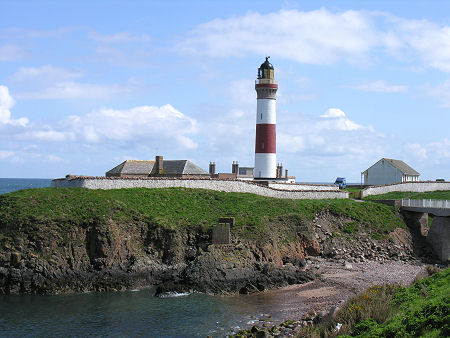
x=57 y=257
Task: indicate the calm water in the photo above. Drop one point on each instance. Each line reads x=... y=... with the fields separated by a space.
x=129 y=313
x=12 y=184
x=122 y=314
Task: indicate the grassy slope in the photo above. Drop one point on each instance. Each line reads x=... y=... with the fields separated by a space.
x=435 y=195
x=175 y=207
x=422 y=310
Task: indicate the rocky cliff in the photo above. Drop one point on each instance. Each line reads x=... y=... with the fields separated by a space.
x=78 y=240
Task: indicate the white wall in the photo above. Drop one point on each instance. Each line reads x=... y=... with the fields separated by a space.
x=407 y=186
x=212 y=184
x=314 y=187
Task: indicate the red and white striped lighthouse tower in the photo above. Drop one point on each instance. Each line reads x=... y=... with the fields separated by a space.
x=265 y=145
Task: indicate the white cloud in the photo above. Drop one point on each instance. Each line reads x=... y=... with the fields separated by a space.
x=75 y=90
x=316 y=37
x=49 y=82
x=335 y=119
x=333 y=112
x=47 y=74
x=381 y=87
x=11 y=53
x=6 y=103
x=5 y=154
x=161 y=125
x=436 y=150
x=442 y=92
x=430 y=40
x=322 y=37
x=120 y=37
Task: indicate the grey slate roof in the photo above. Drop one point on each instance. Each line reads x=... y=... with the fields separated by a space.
x=133 y=167
x=171 y=167
x=402 y=166
x=178 y=167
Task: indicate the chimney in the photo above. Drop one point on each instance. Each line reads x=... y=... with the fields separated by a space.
x=279 y=171
x=235 y=167
x=286 y=174
x=159 y=166
x=212 y=168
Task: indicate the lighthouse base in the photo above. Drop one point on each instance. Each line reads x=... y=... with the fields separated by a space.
x=265 y=166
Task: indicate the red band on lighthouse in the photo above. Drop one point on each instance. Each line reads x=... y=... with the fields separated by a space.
x=265 y=138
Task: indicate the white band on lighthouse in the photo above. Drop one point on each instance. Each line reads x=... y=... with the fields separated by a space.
x=265 y=165
x=266 y=112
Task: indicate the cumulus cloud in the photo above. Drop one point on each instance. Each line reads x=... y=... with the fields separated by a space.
x=6 y=103
x=316 y=37
x=429 y=39
x=142 y=125
x=434 y=150
x=335 y=119
x=322 y=37
x=381 y=87
x=328 y=134
x=163 y=124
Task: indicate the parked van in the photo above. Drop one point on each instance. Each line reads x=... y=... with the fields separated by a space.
x=340 y=181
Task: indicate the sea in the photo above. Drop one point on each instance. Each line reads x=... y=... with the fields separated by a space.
x=131 y=313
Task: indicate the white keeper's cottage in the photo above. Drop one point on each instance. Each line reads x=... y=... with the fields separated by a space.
x=388 y=171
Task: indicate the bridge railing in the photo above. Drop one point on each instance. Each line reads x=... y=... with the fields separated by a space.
x=441 y=204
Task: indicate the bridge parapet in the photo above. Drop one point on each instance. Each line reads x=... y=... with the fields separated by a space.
x=435 y=207
x=426 y=203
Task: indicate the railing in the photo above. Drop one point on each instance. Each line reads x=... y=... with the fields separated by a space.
x=265 y=81
x=440 y=204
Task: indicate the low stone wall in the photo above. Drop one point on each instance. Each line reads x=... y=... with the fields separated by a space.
x=211 y=184
x=407 y=186
x=303 y=187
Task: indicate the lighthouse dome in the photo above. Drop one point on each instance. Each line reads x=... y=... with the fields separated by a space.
x=265 y=71
x=266 y=64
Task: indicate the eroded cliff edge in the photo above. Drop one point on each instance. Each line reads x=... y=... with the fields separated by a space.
x=77 y=240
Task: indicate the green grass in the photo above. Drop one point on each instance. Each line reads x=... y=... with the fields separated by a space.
x=354 y=192
x=396 y=195
x=421 y=310
x=175 y=207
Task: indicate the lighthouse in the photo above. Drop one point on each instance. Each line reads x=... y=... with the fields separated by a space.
x=265 y=144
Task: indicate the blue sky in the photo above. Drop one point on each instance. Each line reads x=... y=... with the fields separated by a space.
x=85 y=85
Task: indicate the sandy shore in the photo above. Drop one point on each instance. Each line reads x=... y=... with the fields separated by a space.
x=336 y=285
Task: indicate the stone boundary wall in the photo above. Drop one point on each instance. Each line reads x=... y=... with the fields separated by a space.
x=297 y=186
x=406 y=186
x=211 y=184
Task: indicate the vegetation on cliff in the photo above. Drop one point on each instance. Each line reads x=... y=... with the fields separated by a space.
x=176 y=207
x=73 y=239
x=421 y=310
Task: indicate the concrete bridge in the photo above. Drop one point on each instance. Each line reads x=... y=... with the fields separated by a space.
x=417 y=211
